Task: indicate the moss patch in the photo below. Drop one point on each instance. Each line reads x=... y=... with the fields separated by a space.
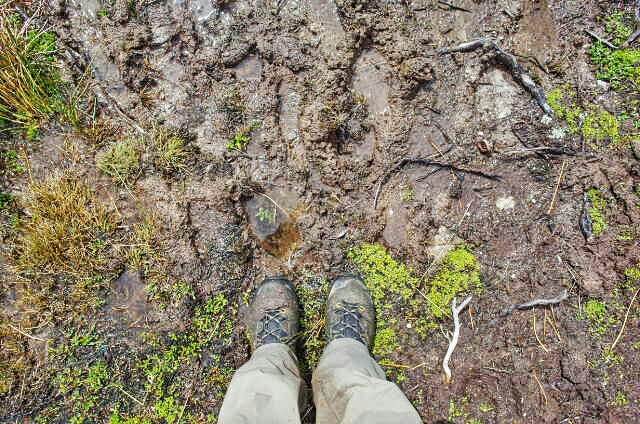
x=598 y=126
x=394 y=286
x=599 y=316
x=597 y=211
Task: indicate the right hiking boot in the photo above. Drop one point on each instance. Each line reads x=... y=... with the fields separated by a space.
x=273 y=314
x=350 y=311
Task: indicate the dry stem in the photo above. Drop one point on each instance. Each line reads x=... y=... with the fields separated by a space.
x=453 y=341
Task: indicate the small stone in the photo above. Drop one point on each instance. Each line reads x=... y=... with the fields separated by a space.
x=504 y=203
x=602 y=85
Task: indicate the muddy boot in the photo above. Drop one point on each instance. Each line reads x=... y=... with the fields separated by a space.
x=273 y=316
x=350 y=312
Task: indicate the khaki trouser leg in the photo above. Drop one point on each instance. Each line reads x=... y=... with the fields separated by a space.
x=350 y=388
x=265 y=390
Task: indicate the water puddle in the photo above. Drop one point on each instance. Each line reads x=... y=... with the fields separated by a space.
x=129 y=298
x=272 y=218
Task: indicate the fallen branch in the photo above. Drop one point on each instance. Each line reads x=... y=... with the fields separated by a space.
x=600 y=39
x=555 y=192
x=536 y=302
x=426 y=162
x=508 y=60
x=453 y=341
x=453 y=6
x=624 y=323
x=636 y=33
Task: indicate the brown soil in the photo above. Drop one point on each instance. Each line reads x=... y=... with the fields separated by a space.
x=342 y=92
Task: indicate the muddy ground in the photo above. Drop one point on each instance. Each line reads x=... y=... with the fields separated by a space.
x=334 y=95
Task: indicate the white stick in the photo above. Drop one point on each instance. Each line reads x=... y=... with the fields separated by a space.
x=455 y=311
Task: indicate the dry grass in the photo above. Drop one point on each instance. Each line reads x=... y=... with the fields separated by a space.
x=29 y=77
x=64 y=248
x=170 y=150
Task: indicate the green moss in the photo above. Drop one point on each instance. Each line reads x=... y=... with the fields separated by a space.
x=389 y=280
x=597 y=211
x=598 y=126
x=242 y=137
x=633 y=273
x=460 y=273
x=383 y=275
x=619 y=67
x=386 y=342
x=386 y=279
x=618 y=27
x=599 y=316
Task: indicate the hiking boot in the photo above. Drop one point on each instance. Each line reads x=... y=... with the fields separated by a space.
x=350 y=312
x=273 y=314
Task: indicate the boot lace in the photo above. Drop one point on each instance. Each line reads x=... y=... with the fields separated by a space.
x=349 y=322
x=272 y=329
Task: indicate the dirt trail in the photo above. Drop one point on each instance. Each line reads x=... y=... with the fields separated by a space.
x=335 y=94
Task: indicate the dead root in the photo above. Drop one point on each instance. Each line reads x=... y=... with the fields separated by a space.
x=508 y=60
x=453 y=340
x=426 y=162
x=536 y=302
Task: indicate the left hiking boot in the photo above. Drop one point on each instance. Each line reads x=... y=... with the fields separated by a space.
x=350 y=311
x=273 y=314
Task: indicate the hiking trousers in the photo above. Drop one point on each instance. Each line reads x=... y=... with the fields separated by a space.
x=349 y=387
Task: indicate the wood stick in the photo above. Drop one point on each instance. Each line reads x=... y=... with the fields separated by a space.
x=624 y=323
x=508 y=60
x=455 y=311
x=600 y=39
x=555 y=192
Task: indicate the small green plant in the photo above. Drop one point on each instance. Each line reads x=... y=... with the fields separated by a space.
x=121 y=161
x=170 y=148
x=242 y=137
x=11 y=163
x=460 y=273
x=266 y=215
x=408 y=194
x=103 y=13
x=312 y=292
x=594 y=123
x=621 y=399
x=30 y=84
x=616 y=26
x=597 y=211
x=6 y=200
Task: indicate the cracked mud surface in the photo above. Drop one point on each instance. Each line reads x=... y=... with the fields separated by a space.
x=341 y=92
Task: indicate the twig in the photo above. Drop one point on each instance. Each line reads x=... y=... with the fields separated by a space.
x=275 y=204
x=509 y=60
x=544 y=394
x=426 y=162
x=119 y=387
x=25 y=334
x=455 y=311
x=542 y=149
x=453 y=6
x=600 y=39
x=536 y=302
x=555 y=192
x=624 y=323
x=535 y=333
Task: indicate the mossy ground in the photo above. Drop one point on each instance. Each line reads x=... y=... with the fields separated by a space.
x=597 y=211
x=425 y=304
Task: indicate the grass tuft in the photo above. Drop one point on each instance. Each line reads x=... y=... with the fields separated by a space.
x=122 y=161
x=597 y=211
x=170 y=149
x=63 y=248
x=30 y=84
